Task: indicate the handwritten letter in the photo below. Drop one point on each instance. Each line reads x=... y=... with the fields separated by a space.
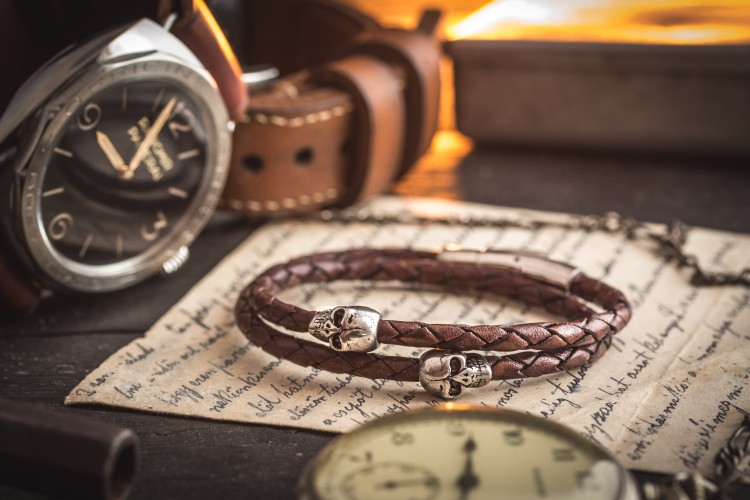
x=666 y=396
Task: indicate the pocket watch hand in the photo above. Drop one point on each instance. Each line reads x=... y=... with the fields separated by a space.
x=468 y=480
x=110 y=151
x=151 y=136
x=390 y=485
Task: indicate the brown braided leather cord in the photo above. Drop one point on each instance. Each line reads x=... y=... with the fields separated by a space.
x=424 y=268
x=556 y=346
x=376 y=366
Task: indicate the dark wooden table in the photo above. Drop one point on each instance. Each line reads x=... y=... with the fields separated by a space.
x=43 y=357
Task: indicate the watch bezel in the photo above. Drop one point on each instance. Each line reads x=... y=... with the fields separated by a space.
x=62 y=106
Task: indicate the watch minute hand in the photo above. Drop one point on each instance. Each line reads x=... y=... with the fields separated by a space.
x=110 y=151
x=151 y=135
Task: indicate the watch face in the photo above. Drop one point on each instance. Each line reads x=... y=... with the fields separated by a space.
x=102 y=202
x=464 y=453
x=128 y=173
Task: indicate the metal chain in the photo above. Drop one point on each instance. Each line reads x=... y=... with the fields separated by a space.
x=732 y=469
x=670 y=240
x=732 y=463
x=682 y=486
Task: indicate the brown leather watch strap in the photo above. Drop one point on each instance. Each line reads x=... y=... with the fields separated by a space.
x=417 y=56
x=374 y=146
x=198 y=29
x=296 y=150
x=294 y=35
x=545 y=347
x=358 y=115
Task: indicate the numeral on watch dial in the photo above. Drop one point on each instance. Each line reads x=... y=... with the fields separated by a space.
x=176 y=127
x=59 y=226
x=90 y=116
x=151 y=232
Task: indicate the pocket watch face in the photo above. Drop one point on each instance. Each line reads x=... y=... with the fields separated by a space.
x=464 y=453
x=126 y=174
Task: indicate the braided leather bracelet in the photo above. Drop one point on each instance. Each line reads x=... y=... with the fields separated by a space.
x=350 y=332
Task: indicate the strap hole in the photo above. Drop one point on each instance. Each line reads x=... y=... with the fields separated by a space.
x=304 y=156
x=346 y=147
x=253 y=163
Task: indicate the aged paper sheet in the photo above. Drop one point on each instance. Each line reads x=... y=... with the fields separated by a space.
x=666 y=396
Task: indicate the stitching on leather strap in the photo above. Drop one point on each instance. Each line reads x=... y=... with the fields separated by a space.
x=298 y=121
x=302 y=200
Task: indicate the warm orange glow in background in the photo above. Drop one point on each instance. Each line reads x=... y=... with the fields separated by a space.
x=642 y=21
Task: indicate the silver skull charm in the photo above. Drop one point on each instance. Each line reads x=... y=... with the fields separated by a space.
x=347 y=328
x=447 y=374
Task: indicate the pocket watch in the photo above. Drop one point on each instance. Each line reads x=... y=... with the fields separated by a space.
x=465 y=452
x=116 y=153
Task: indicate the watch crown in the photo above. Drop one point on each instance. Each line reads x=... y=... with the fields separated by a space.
x=176 y=261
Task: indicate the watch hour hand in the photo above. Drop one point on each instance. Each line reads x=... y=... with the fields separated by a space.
x=390 y=485
x=150 y=138
x=110 y=151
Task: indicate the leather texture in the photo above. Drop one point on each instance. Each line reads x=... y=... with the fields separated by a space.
x=357 y=108
x=549 y=347
x=200 y=32
x=416 y=56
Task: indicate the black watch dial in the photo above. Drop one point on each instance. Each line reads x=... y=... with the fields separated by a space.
x=127 y=165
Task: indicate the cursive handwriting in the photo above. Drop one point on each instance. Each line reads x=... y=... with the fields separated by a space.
x=142 y=353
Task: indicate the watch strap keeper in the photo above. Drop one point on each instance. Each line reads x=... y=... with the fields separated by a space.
x=416 y=55
x=378 y=123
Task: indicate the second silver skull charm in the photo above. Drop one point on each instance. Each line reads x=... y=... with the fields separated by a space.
x=447 y=374
x=347 y=328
